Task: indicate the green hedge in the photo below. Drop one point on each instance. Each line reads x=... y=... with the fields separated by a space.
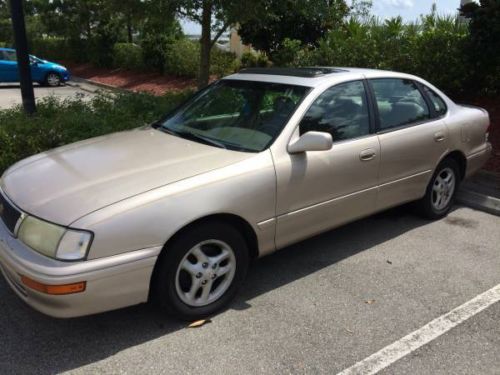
x=51 y=48
x=182 y=58
x=255 y=59
x=57 y=122
x=223 y=63
x=434 y=48
x=57 y=49
x=128 y=56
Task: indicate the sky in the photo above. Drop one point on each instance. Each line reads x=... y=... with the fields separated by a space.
x=410 y=10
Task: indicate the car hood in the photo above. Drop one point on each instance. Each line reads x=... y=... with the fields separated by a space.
x=67 y=183
x=52 y=65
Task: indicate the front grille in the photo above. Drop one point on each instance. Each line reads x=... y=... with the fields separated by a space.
x=9 y=214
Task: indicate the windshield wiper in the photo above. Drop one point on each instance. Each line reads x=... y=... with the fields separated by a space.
x=193 y=137
x=205 y=139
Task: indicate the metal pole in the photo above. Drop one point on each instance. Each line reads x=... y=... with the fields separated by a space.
x=23 y=61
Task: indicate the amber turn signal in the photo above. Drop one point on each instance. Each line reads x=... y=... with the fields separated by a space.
x=54 y=289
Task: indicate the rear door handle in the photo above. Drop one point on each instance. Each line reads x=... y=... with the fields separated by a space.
x=439 y=137
x=367 y=154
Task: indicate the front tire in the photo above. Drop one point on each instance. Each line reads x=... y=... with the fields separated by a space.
x=441 y=191
x=201 y=270
x=53 y=80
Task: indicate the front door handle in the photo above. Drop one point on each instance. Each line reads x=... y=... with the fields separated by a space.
x=367 y=154
x=439 y=137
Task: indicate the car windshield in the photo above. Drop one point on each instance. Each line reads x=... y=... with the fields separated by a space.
x=237 y=115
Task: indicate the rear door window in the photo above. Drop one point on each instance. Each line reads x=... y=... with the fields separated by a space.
x=399 y=102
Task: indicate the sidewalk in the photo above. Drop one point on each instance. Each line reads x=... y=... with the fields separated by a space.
x=90 y=86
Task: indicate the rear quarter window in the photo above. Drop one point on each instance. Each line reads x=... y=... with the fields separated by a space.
x=437 y=102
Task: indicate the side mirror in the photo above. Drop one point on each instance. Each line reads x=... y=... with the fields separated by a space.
x=311 y=141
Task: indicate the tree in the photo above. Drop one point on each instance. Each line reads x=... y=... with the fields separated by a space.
x=361 y=10
x=484 y=47
x=5 y=23
x=159 y=29
x=215 y=18
x=91 y=27
x=133 y=14
x=306 y=21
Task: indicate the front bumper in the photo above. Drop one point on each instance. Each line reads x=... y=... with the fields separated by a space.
x=112 y=282
x=65 y=76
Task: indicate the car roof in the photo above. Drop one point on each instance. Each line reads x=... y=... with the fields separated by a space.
x=7 y=49
x=312 y=76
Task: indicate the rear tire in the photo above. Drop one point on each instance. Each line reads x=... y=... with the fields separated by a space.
x=441 y=191
x=201 y=270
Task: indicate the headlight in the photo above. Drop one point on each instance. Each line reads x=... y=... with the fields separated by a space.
x=74 y=245
x=53 y=240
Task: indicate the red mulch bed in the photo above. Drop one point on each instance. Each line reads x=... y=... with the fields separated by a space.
x=492 y=105
x=153 y=83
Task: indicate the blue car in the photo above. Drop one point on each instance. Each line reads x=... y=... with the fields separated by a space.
x=42 y=71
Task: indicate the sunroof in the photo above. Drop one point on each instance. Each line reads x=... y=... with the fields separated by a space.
x=296 y=72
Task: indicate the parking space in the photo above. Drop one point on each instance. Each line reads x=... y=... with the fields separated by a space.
x=471 y=348
x=10 y=94
x=319 y=306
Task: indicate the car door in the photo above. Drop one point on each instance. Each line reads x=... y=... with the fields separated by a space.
x=412 y=140
x=8 y=66
x=37 y=72
x=319 y=190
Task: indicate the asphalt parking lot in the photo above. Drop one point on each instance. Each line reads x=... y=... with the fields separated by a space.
x=10 y=94
x=317 y=307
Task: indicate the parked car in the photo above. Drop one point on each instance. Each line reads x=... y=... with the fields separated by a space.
x=174 y=212
x=42 y=71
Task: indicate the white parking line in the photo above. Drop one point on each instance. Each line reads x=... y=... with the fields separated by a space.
x=401 y=348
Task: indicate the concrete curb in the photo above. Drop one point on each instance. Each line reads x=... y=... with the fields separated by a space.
x=480 y=202
x=481 y=192
x=91 y=86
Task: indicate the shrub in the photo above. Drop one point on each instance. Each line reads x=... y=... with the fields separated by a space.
x=127 y=56
x=154 y=48
x=223 y=63
x=50 y=48
x=254 y=59
x=100 y=50
x=6 y=30
x=440 y=55
x=182 y=58
x=61 y=49
x=292 y=53
x=57 y=122
x=433 y=48
x=484 y=45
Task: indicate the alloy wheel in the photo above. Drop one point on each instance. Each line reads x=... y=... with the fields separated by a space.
x=205 y=273
x=443 y=189
x=53 y=80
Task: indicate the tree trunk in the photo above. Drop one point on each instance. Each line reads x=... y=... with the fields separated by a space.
x=89 y=31
x=129 y=29
x=206 y=23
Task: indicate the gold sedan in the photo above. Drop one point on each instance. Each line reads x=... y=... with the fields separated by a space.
x=258 y=160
